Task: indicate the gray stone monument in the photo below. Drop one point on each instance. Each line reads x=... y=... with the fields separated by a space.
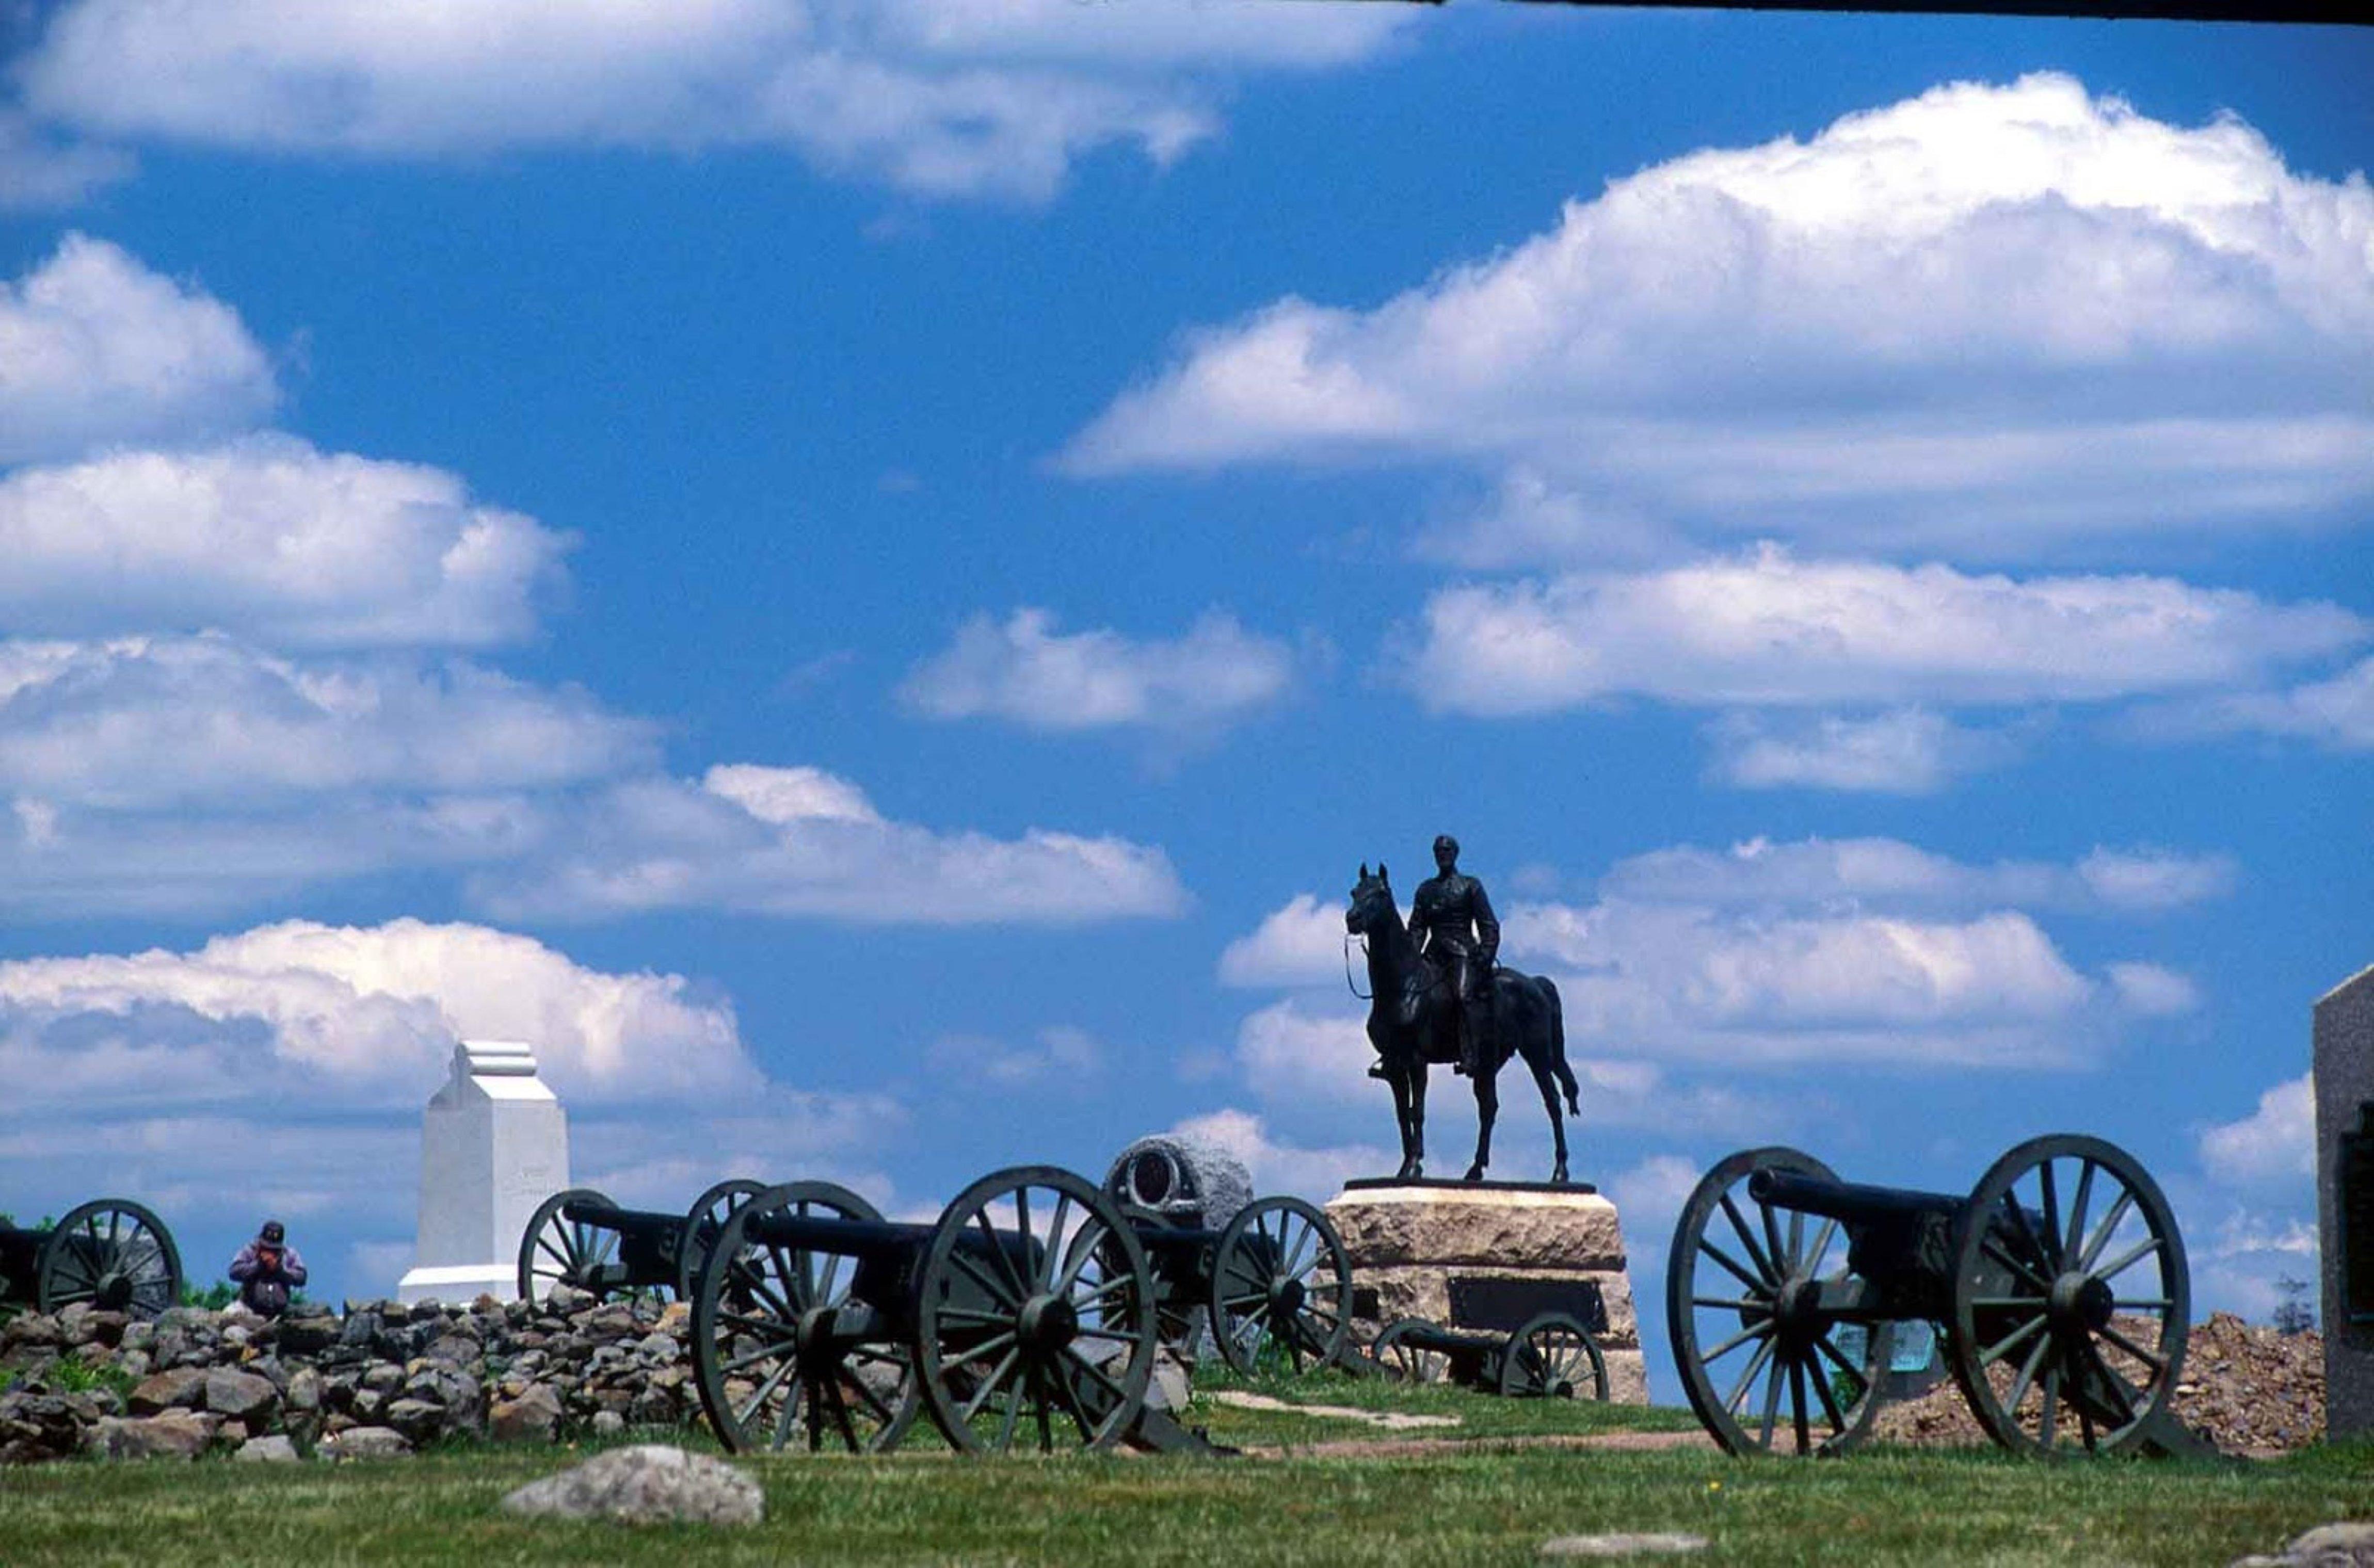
x=2344 y=1201
x=494 y=1143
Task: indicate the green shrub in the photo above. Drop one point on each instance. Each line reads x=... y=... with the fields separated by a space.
x=214 y=1297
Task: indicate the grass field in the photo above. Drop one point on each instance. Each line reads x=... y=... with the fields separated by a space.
x=1490 y=1503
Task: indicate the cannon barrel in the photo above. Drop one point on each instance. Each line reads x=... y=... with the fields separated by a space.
x=1852 y=1202
x=832 y=1234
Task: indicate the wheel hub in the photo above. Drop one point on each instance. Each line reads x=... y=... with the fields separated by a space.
x=1287 y=1296
x=2079 y=1301
x=813 y=1335
x=1049 y=1322
x=1796 y=1309
x=114 y=1293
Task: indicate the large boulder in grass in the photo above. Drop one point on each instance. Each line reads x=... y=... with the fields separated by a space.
x=648 y=1484
x=183 y=1388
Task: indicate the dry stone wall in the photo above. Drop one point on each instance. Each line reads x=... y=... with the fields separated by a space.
x=382 y=1378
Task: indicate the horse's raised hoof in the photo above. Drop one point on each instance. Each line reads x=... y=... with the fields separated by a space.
x=1377 y=1071
x=1474 y=1173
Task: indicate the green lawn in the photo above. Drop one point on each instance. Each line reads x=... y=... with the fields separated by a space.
x=1473 y=1509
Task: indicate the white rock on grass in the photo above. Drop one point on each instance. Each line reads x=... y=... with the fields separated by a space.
x=2348 y=1545
x=1651 y=1543
x=274 y=1450
x=365 y=1442
x=646 y=1484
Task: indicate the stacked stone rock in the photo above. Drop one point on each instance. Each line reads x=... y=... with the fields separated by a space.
x=382 y=1378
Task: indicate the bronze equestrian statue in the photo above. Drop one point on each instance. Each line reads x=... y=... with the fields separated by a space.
x=1452 y=1002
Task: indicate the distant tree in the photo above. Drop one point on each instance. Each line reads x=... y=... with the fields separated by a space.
x=2292 y=1314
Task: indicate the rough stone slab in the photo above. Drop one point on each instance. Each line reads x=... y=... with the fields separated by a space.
x=275 y=1449
x=2349 y=1545
x=1521 y=1229
x=646 y=1484
x=170 y=1434
x=240 y=1396
x=2344 y=1059
x=184 y=1387
x=534 y=1417
x=365 y=1442
x=1425 y=1292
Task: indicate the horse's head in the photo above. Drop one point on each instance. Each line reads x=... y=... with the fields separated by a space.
x=1372 y=902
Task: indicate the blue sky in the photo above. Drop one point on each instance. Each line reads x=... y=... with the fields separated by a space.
x=865 y=575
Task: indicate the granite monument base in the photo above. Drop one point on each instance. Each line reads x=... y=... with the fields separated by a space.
x=2343 y=1063
x=1488 y=1255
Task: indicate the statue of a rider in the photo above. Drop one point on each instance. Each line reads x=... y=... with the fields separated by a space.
x=1451 y=921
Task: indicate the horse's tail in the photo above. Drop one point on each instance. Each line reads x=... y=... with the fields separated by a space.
x=1557 y=1048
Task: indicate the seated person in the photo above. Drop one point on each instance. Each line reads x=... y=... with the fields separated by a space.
x=266 y=1270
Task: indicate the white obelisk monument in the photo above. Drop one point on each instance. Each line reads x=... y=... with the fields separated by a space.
x=494 y=1143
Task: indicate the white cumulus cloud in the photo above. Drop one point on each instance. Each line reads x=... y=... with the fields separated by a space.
x=1026 y=673
x=270 y=538
x=1904 y=751
x=2273 y=1146
x=1276 y=1166
x=802 y=842
x=1301 y=945
x=153 y=723
x=1998 y=317
x=1768 y=629
x=96 y=350
x=356 y=1013
x=938 y=97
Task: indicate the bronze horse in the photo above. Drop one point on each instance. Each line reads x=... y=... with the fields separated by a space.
x=1414 y=1021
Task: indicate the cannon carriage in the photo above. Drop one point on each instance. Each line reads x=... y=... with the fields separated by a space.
x=1024 y=1316
x=580 y=1239
x=1550 y=1355
x=110 y=1253
x=2059 y=1283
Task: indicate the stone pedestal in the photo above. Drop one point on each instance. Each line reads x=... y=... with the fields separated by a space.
x=494 y=1143
x=1490 y=1255
x=2344 y=1201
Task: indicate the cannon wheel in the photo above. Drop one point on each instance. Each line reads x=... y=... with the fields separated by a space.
x=1735 y=1286
x=1035 y=1315
x=1280 y=1275
x=703 y=1222
x=112 y=1253
x=1405 y=1360
x=1552 y=1356
x=556 y=1250
x=750 y=1304
x=2060 y=1342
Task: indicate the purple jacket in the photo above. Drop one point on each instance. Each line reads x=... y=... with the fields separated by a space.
x=262 y=1286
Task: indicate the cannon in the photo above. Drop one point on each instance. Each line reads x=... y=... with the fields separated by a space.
x=110 y=1253
x=1025 y=1314
x=1275 y=1280
x=1550 y=1355
x=2059 y=1284
x=580 y=1239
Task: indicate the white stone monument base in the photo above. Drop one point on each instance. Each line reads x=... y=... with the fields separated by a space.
x=459 y=1282
x=1428 y=1250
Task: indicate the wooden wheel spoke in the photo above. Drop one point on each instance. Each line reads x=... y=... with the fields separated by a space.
x=2027 y=1375
x=2012 y=1341
x=996 y=1288
x=2128 y=1258
x=1756 y=1254
x=1837 y=1359
x=2050 y=1408
x=766 y=1353
x=2103 y=1231
x=997 y=1251
x=1812 y=1256
x=1754 y=1365
x=2051 y=1240
x=1830 y=1411
x=1797 y=1405
x=1708 y=1246
x=2018 y=1267
x=2110 y=1332
x=1772 y=1398
x=2077 y=1211
x=1725 y=1303
x=971 y=1406
x=994 y=1343
x=1752 y=1332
